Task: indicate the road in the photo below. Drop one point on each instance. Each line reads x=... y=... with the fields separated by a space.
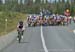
x=45 y=39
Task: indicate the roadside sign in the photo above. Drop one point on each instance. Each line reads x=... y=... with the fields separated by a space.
x=67 y=12
x=5 y=19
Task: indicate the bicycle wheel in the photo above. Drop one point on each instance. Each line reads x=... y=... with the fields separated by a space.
x=19 y=37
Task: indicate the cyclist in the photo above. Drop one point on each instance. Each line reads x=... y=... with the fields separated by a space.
x=70 y=18
x=20 y=26
x=29 y=21
x=74 y=19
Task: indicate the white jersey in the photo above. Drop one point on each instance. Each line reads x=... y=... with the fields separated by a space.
x=74 y=18
x=22 y=28
x=70 y=17
x=58 y=17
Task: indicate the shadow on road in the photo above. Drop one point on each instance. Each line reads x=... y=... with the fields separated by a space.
x=23 y=42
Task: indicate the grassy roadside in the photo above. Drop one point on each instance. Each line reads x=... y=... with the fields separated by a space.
x=13 y=18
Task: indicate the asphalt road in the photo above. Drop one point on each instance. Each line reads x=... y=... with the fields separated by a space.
x=45 y=39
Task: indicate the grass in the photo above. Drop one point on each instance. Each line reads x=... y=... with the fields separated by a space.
x=13 y=18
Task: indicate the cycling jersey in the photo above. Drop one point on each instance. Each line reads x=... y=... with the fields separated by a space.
x=20 y=26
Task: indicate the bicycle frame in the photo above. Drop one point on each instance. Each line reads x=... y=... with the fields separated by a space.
x=19 y=36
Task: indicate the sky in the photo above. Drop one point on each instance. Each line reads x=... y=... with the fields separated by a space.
x=53 y=0
x=33 y=0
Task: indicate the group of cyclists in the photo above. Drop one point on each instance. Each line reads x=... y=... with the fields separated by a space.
x=44 y=20
x=54 y=19
x=47 y=18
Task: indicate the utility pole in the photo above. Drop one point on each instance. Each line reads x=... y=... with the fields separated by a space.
x=6 y=26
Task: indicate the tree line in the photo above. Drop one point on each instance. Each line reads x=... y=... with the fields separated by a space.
x=54 y=7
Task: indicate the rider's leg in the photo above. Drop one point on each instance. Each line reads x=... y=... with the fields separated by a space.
x=22 y=34
x=70 y=21
x=18 y=35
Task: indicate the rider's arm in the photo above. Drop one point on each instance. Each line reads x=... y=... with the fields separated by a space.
x=23 y=27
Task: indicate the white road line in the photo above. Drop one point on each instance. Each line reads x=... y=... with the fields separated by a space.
x=43 y=41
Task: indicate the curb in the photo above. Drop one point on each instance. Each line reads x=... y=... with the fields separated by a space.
x=7 y=39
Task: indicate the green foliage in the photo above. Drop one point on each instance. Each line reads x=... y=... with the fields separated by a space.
x=14 y=12
x=56 y=7
x=13 y=18
x=30 y=7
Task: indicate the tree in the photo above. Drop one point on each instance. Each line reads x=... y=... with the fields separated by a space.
x=59 y=1
x=37 y=1
x=63 y=1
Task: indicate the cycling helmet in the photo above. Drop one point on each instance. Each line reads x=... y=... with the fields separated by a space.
x=21 y=22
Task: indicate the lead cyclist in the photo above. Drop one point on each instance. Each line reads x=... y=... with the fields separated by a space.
x=20 y=26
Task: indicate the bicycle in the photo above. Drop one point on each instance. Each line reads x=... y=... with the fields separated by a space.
x=19 y=35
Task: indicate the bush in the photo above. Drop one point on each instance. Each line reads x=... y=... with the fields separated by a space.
x=13 y=18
